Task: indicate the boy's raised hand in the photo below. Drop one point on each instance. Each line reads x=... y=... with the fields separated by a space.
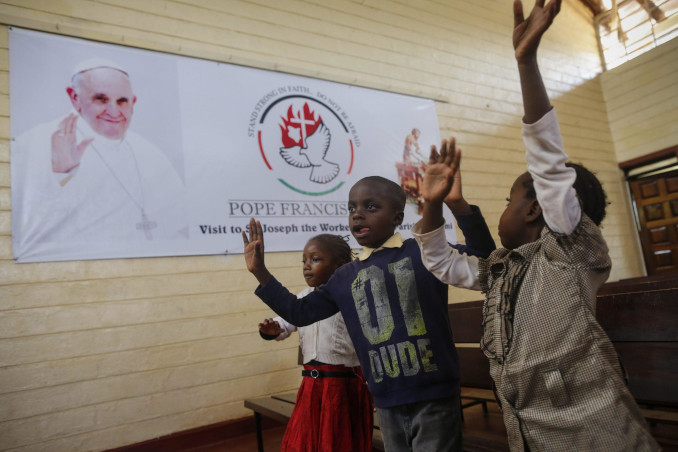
x=254 y=252
x=442 y=172
x=528 y=32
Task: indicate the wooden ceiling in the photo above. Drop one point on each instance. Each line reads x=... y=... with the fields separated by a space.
x=596 y=6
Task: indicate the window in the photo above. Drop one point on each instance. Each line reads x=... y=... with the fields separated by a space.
x=628 y=28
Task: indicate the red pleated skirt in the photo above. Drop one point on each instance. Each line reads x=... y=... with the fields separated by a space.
x=331 y=414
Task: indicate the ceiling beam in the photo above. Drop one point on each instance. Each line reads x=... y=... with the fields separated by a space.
x=655 y=12
x=596 y=6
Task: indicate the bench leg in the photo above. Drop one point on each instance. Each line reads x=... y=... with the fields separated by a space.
x=260 y=439
x=472 y=403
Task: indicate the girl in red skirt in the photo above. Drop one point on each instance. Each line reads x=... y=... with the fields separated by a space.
x=334 y=411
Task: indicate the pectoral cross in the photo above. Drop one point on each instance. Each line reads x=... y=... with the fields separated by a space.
x=146 y=225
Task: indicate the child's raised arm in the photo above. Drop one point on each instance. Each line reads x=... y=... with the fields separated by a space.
x=442 y=183
x=455 y=199
x=527 y=34
x=254 y=252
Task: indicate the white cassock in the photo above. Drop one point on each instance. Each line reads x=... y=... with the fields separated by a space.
x=125 y=199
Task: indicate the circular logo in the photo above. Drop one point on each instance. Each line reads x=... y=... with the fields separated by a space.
x=306 y=142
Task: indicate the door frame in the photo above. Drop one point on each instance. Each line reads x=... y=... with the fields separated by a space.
x=648 y=165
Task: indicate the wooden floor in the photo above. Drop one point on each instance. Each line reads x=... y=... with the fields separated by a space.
x=486 y=432
x=481 y=433
x=246 y=443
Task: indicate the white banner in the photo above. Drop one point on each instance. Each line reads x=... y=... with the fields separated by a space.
x=120 y=152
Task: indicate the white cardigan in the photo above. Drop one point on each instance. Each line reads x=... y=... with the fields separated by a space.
x=326 y=341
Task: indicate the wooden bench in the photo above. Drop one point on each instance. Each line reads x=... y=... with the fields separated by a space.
x=642 y=322
x=640 y=317
x=646 y=283
x=475 y=380
x=279 y=408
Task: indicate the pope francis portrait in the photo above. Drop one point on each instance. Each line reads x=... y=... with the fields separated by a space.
x=86 y=178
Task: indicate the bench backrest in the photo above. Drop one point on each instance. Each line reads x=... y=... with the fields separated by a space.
x=643 y=327
x=465 y=320
x=641 y=322
x=646 y=283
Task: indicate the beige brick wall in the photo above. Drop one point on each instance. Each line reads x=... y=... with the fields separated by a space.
x=99 y=354
x=641 y=98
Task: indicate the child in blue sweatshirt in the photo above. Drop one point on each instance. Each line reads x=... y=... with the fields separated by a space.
x=395 y=313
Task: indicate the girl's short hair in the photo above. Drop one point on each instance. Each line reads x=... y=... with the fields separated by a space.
x=590 y=192
x=335 y=245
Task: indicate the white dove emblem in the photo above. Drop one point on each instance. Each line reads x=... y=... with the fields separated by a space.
x=313 y=155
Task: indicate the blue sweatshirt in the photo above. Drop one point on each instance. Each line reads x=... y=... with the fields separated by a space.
x=396 y=315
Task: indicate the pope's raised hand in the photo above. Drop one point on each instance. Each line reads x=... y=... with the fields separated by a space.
x=66 y=151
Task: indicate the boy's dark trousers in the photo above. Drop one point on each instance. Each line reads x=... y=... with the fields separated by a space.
x=432 y=425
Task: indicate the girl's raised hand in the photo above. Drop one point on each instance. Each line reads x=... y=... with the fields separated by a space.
x=270 y=327
x=528 y=32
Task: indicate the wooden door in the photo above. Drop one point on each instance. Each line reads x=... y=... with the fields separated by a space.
x=656 y=199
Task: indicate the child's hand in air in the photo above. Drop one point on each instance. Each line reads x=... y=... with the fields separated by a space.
x=442 y=181
x=254 y=252
x=528 y=32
